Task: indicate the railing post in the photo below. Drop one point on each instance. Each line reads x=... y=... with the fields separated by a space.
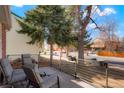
x=75 y=69
x=106 y=67
x=60 y=65
x=39 y=56
x=7 y=56
x=58 y=82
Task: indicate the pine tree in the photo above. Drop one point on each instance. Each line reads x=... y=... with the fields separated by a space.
x=86 y=39
x=44 y=23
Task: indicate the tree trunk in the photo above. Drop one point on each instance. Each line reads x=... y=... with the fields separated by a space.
x=60 y=54
x=51 y=54
x=80 y=38
x=80 y=47
x=82 y=27
x=67 y=51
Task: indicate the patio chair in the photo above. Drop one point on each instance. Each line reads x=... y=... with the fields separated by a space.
x=26 y=60
x=12 y=75
x=36 y=80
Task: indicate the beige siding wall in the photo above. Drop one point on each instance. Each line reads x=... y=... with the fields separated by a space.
x=16 y=43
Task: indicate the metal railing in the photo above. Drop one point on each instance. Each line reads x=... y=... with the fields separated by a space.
x=16 y=60
x=98 y=74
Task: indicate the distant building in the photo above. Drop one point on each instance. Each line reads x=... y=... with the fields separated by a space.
x=100 y=44
x=121 y=47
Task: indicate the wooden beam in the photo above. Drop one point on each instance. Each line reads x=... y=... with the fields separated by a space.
x=5 y=17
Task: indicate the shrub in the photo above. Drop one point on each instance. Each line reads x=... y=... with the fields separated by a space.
x=113 y=54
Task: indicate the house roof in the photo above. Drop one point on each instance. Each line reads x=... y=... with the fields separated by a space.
x=98 y=43
x=101 y=42
x=17 y=16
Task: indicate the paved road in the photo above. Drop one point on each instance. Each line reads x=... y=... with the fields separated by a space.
x=90 y=56
x=102 y=58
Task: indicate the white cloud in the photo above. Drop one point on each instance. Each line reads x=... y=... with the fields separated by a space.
x=19 y=5
x=92 y=26
x=105 y=12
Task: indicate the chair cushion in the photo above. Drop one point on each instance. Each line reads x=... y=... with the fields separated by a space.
x=7 y=68
x=18 y=75
x=18 y=71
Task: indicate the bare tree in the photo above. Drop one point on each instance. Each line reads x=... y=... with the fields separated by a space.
x=121 y=47
x=107 y=34
x=122 y=42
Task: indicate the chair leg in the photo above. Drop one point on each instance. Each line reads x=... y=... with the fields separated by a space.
x=28 y=84
x=21 y=83
x=58 y=82
x=1 y=78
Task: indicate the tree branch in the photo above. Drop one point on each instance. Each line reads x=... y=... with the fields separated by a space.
x=97 y=27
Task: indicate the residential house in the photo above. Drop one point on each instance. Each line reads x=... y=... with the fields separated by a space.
x=101 y=44
x=17 y=43
x=98 y=44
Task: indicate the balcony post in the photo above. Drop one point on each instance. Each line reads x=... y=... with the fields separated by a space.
x=106 y=67
x=75 y=69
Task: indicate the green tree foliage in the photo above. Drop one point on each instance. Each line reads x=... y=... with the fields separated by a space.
x=46 y=23
x=54 y=24
x=86 y=40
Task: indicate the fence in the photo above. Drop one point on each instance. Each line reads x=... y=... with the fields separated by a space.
x=105 y=74
x=16 y=61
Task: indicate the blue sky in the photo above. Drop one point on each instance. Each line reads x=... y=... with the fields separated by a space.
x=115 y=12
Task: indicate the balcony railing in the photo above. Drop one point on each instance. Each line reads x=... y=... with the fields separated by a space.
x=104 y=74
